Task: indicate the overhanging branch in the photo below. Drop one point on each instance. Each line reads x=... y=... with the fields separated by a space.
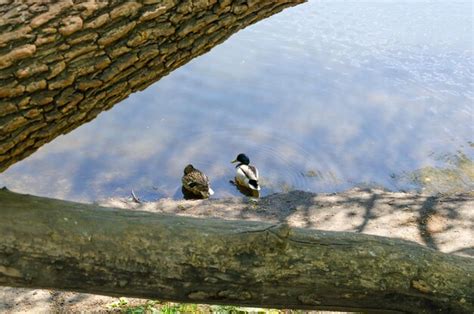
x=64 y=62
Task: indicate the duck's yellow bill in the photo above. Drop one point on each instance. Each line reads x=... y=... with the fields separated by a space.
x=233 y=161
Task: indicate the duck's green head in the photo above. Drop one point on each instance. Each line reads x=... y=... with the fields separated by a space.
x=242 y=158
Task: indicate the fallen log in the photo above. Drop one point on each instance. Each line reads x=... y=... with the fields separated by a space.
x=47 y=243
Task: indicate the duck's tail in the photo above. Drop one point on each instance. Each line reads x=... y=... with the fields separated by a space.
x=253 y=184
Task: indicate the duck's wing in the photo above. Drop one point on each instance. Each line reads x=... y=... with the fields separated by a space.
x=250 y=172
x=254 y=171
x=195 y=179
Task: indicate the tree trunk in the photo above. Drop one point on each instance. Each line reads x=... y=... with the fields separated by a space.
x=56 y=244
x=63 y=62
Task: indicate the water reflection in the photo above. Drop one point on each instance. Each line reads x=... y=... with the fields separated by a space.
x=350 y=92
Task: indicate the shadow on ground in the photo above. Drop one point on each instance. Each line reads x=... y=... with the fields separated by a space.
x=443 y=222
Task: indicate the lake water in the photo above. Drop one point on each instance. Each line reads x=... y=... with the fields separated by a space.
x=322 y=97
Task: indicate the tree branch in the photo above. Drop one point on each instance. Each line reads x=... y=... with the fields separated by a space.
x=62 y=63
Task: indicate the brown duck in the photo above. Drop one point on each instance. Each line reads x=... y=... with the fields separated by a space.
x=195 y=183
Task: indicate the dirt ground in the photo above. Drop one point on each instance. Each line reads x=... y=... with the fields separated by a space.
x=443 y=222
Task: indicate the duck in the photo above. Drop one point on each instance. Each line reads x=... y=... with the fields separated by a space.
x=195 y=183
x=246 y=174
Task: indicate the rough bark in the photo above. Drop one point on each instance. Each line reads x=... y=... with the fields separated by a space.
x=63 y=62
x=56 y=244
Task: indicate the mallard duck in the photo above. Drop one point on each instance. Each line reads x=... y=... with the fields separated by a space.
x=196 y=183
x=246 y=175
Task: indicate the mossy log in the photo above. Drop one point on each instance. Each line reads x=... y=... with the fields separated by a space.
x=64 y=62
x=47 y=243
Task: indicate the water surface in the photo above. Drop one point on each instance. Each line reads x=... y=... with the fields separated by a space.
x=323 y=97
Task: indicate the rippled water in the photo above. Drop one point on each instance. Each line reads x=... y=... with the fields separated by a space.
x=322 y=97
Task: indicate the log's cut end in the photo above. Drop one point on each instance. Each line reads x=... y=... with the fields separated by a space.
x=70 y=246
x=62 y=63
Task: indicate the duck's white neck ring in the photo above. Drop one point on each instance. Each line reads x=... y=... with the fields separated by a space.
x=241 y=164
